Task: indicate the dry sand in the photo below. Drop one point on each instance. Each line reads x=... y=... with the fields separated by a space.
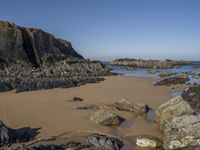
x=53 y=112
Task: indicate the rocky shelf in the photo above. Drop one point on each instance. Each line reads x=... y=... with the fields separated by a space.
x=32 y=59
x=150 y=64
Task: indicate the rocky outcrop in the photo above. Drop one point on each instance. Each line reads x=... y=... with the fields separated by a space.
x=167 y=74
x=104 y=142
x=10 y=136
x=150 y=64
x=147 y=141
x=31 y=45
x=126 y=105
x=105 y=118
x=173 y=80
x=182 y=132
x=192 y=96
x=171 y=109
x=65 y=146
x=31 y=59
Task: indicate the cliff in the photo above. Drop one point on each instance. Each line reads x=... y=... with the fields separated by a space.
x=31 y=59
x=31 y=45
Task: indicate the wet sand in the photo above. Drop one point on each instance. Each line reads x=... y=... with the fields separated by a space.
x=53 y=112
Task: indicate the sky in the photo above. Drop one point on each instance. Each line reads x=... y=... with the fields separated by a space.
x=109 y=29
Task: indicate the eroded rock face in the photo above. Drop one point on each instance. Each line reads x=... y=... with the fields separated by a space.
x=151 y=64
x=182 y=132
x=126 y=105
x=192 y=96
x=171 y=109
x=31 y=59
x=104 y=142
x=173 y=80
x=106 y=118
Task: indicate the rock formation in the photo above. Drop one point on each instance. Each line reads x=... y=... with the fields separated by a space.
x=192 y=96
x=105 y=118
x=150 y=64
x=31 y=59
x=173 y=80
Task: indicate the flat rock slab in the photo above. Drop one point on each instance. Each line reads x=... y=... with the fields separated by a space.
x=126 y=105
x=106 y=118
x=173 y=80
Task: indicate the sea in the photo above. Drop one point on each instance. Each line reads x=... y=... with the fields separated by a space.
x=142 y=72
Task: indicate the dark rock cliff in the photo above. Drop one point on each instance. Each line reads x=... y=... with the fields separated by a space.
x=31 y=59
x=31 y=45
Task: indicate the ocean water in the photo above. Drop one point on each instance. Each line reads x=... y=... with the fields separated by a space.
x=142 y=72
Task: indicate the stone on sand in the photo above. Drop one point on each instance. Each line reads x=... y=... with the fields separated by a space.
x=104 y=142
x=103 y=117
x=126 y=105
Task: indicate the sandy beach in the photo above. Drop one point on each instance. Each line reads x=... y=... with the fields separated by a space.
x=54 y=112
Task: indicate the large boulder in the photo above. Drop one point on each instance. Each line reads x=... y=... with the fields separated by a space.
x=106 y=118
x=171 y=109
x=173 y=80
x=192 y=96
x=104 y=142
x=126 y=105
x=182 y=132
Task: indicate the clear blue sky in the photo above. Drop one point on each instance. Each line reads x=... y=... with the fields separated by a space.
x=107 y=29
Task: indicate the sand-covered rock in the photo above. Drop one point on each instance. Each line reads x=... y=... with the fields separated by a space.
x=182 y=132
x=173 y=108
x=127 y=105
x=106 y=118
x=173 y=80
x=192 y=96
x=104 y=142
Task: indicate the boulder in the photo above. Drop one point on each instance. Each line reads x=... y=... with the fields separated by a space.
x=173 y=108
x=147 y=141
x=126 y=105
x=106 y=118
x=32 y=59
x=173 y=80
x=104 y=142
x=192 y=96
x=182 y=132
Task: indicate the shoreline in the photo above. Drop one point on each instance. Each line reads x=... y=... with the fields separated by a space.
x=54 y=113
